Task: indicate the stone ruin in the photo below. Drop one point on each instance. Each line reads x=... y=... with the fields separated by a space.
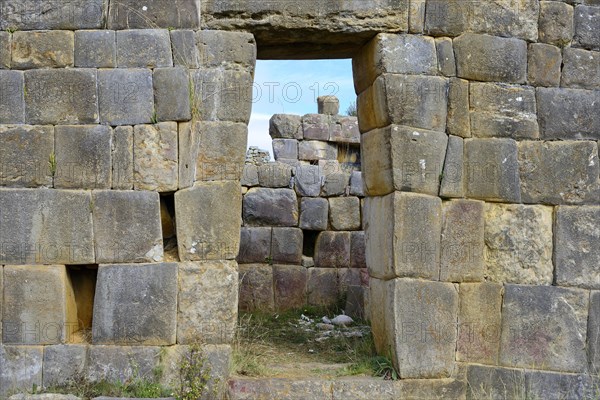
x=479 y=125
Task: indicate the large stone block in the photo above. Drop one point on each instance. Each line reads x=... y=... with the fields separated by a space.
x=344 y=213
x=593 y=333
x=125 y=96
x=83 y=157
x=348 y=131
x=249 y=175
x=256 y=287
x=479 y=322
x=122 y=363
x=314 y=150
x=492 y=169
x=127 y=226
x=490 y=58
x=285 y=126
x=453 y=179
x=12 y=101
x=172 y=94
x=544 y=325
x=185 y=51
x=403 y=232
x=285 y=149
x=208 y=302
x=317 y=126
x=45 y=227
x=404 y=159
x=458 y=121
x=544 y=63
x=307 y=180
x=287 y=246
x=135 y=304
x=144 y=48
x=5 y=39
x=270 y=207
x=54 y=14
x=556 y=23
x=280 y=388
x=131 y=14
x=274 y=175
x=314 y=214
x=208 y=221
x=356 y=184
x=555 y=386
x=559 y=172
x=323 y=286
x=42 y=49
x=587 y=23
x=445 y=56
x=25 y=151
x=518 y=241
x=357 y=250
x=61 y=96
x=289 y=284
x=155 y=157
x=568 y=113
x=255 y=245
x=495 y=383
x=581 y=69
x=39 y=305
x=328 y=105
x=454 y=388
x=122 y=158
x=95 y=49
x=462 y=241
x=503 y=111
x=226 y=49
x=576 y=254
x=332 y=250
x=21 y=368
x=335 y=183
x=63 y=364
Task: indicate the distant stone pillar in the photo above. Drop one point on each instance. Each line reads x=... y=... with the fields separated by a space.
x=329 y=105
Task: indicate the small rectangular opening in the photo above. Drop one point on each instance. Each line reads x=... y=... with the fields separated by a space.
x=83 y=281
x=167 y=220
x=309 y=243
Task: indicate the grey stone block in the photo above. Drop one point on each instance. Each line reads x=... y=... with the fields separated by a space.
x=290 y=388
x=172 y=94
x=274 y=175
x=255 y=245
x=490 y=58
x=358 y=250
x=587 y=23
x=285 y=126
x=347 y=132
x=581 y=69
x=503 y=111
x=125 y=96
x=403 y=238
x=559 y=172
x=63 y=364
x=356 y=184
x=307 y=180
x=314 y=214
x=83 y=157
x=332 y=250
x=270 y=207
x=122 y=158
x=208 y=302
x=285 y=148
x=127 y=226
x=317 y=126
x=576 y=257
x=544 y=64
x=403 y=158
x=185 y=51
x=314 y=150
x=445 y=56
x=25 y=151
x=287 y=246
x=495 y=382
x=453 y=179
x=555 y=386
x=61 y=96
x=42 y=49
x=249 y=175
x=46 y=227
x=46 y=396
x=72 y=15
x=458 y=121
x=518 y=241
x=568 y=113
x=556 y=23
x=344 y=213
x=289 y=285
x=155 y=157
x=323 y=286
x=21 y=368
x=136 y=304
x=235 y=50
x=122 y=363
x=335 y=184
x=429 y=389
x=208 y=221
x=144 y=48
x=492 y=169
x=329 y=105
x=593 y=333
x=95 y=49
x=5 y=47
x=527 y=341
x=462 y=257
x=131 y=14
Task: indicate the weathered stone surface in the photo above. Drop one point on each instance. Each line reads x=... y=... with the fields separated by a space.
x=479 y=320
x=593 y=333
x=587 y=21
x=358 y=388
x=38 y=306
x=95 y=49
x=314 y=214
x=344 y=213
x=155 y=157
x=274 y=175
x=287 y=246
x=42 y=49
x=122 y=158
x=45 y=396
x=135 y=304
x=63 y=363
x=307 y=180
x=492 y=169
x=452 y=183
x=568 y=113
x=45 y=227
x=329 y=105
x=25 y=151
x=348 y=131
x=255 y=245
x=556 y=23
x=285 y=126
x=323 y=286
x=31 y=15
x=208 y=220
x=432 y=388
x=208 y=302
x=144 y=48
x=125 y=96
x=12 y=102
x=285 y=148
x=495 y=382
x=313 y=150
x=256 y=287
x=21 y=368
x=357 y=250
x=458 y=120
x=544 y=325
x=249 y=175
x=576 y=254
x=226 y=49
x=122 y=363
x=544 y=63
x=559 y=172
x=518 y=241
x=130 y=14
x=172 y=94
x=83 y=157
x=289 y=283
x=503 y=111
x=403 y=233
x=404 y=159
x=270 y=207
x=445 y=56
x=490 y=58
x=5 y=39
x=551 y=385
x=462 y=241
x=356 y=184
x=279 y=388
x=317 y=126
x=581 y=69
x=127 y=226
x=332 y=250
x=334 y=183
x=61 y=96
x=185 y=51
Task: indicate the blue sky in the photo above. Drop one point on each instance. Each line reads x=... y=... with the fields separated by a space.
x=291 y=87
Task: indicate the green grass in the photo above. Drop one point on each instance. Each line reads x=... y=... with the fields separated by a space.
x=134 y=388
